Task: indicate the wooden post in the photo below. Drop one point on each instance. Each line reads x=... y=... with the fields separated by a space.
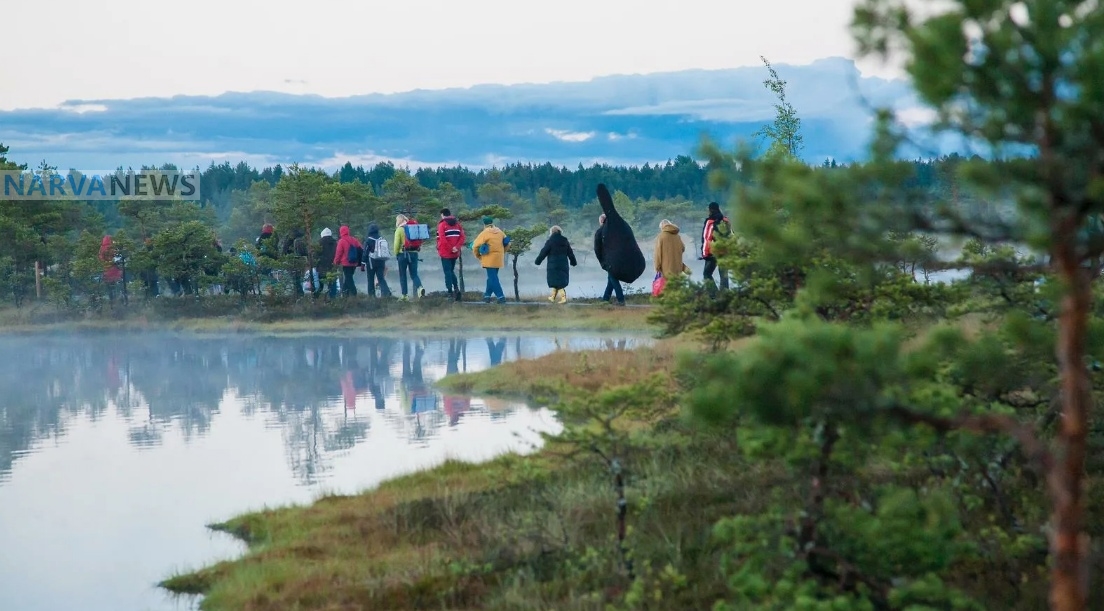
x=38 y=279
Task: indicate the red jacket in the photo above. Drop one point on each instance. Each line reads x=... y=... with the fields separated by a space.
x=343 y=244
x=112 y=273
x=450 y=238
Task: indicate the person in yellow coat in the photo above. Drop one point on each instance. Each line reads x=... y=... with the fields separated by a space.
x=669 y=250
x=490 y=248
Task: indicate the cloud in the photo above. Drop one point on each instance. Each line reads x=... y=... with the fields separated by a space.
x=916 y=116
x=370 y=159
x=634 y=119
x=568 y=136
x=80 y=108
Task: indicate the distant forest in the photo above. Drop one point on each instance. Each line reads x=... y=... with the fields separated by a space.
x=179 y=238
x=681 y=178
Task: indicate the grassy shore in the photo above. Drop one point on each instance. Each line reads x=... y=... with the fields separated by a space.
x=532 y=532
x=226 y=314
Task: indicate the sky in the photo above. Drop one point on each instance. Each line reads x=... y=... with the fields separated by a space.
x=118 y=49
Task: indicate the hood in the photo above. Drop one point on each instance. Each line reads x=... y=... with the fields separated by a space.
x=326 y=232
x=373 y=230
x=450 y=221
x=344 y=231
x=672 y=228
x=106 y=241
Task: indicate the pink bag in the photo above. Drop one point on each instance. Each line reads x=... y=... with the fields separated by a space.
x=658 y=284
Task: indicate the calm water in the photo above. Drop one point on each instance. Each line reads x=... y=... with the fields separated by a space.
x=115 y=452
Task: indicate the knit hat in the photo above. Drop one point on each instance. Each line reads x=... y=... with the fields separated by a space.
x=327 y=233
x=488 y=220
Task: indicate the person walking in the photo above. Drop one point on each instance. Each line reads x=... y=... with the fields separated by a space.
x=490 y=248
x=375 y=257
x=406 y=254
x=112 y=273
x=348 y=255
x=669 y=251
x=450 y=239
x=613 y=285
x=557 y=249
x=716 y=224
x=327 y=246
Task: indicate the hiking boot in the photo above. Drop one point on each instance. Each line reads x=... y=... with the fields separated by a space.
x=552 y=297
x=421 y=292
x=404 y=298
x=563 y=296
x=486 y=300
x=502 y=300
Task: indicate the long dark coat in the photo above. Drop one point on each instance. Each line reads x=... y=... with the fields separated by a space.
x=615 y=244
x=559 y=254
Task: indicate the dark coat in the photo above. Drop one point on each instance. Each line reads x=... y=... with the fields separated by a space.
x=615 y=245
x=325 y=258
x=558 y=252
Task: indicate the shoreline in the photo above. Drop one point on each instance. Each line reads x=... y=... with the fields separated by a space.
x=393 y=318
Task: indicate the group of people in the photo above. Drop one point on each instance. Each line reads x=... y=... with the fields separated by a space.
x=346 y=253
x=670 y=249
x=371 y=255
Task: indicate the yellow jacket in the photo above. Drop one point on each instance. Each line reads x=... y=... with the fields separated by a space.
x=492 y=237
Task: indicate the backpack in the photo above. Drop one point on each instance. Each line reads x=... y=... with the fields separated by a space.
x=723 y=228
x=356 y=253
x=380 y=252
x=414 y=233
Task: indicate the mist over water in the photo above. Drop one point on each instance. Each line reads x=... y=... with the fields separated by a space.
x=116 y=451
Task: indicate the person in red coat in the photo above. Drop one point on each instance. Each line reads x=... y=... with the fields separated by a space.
x=450 y=243
x=345 y=243
x=112 y=274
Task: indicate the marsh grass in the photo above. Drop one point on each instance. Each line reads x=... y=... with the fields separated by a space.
x=516 y=533
x=229 y=314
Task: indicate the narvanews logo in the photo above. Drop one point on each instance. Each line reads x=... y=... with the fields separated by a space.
x=112 y=185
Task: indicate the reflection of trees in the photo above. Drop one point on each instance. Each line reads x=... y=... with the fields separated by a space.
x=181 y=383
x=167 y=385
x=44 y=383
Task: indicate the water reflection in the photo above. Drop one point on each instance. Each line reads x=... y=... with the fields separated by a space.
x=163 y=386
x=116 y=451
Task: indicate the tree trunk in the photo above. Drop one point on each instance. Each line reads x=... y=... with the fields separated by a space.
x=517 y=295
x=1069 y=543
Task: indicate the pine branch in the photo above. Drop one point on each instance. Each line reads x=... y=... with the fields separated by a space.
x=1035 y=449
